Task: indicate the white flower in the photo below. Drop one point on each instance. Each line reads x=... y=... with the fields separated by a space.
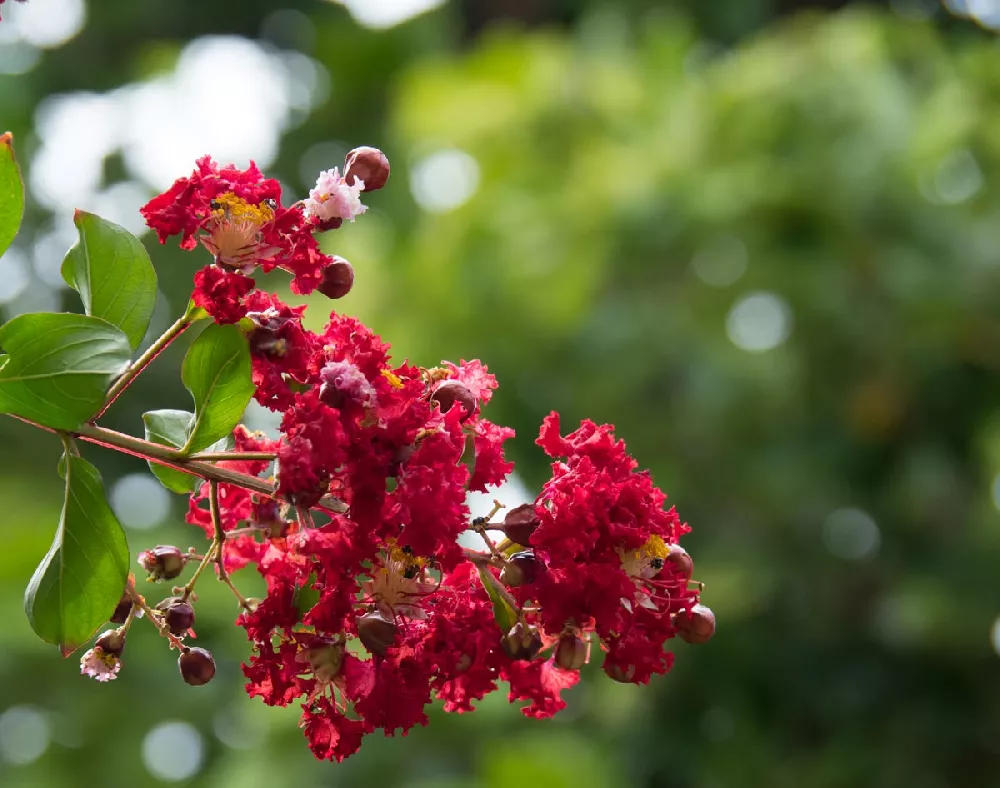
x=98 y=665
x=333 y=198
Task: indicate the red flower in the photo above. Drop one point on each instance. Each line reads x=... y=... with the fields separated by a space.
x=221 y=293
x=429 y=501
x=192 y=204
x=492 y=467
x=331 y=736
x=280 y=349
x=381 y=454
x=541 y=682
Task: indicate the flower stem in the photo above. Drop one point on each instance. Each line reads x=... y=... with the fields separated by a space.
x=209 y=555
x=173 y=458
x=154 y=618
x=130 y=374
x=226 y=456
x=219 y=542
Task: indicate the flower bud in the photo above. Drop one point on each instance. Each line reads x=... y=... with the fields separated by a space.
x=696 y=625
x=464 y=663
x=338 y=278
x=521 y=643
x=178 y=614
x=377 y=632
x=197 y=666
x=620 y=673
x=369 y=165
x=121 y=612
x=325 y=658
x=163 y=562
x=520 y=568
x=520 y=523
x=111 y=642
x=571 y=653
x=680 y=561
x=450 y=392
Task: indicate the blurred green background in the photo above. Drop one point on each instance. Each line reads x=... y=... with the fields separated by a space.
x=760 y=236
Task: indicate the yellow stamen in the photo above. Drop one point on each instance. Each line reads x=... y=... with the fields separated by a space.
x=656 y=547
x=233 y=208
x=234 y=230
x=393 y=379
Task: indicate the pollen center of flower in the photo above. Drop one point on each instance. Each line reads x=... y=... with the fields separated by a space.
x=234 y=230
x=647 y=560
x=393 y=379
x=231 y=208
x=398 y=585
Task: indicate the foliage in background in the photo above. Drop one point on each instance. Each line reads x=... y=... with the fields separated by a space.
x=841 y=168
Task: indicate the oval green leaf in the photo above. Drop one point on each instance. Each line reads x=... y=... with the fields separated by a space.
x=11 y=193
x=171 y=428
x=110 y=269
x=79 y=582
x=58 y=367
x=217 y=372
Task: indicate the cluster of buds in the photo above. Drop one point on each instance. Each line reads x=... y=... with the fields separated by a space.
x=173 y=616
x=373 y=606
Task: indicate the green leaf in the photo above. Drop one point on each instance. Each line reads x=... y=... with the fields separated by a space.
x=11 y=193
x=504 y=614
x=217 y=372
x=306 y=596
x=171 y=428
x=79 y=582
x=110 y=269
x=58 y=367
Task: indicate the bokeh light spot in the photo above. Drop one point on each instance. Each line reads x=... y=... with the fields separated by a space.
x=24 y=734
x=140 y=501
x=444 y=180
x=14 y=276
x=851 y=534
x=380 y=14
x=958 y=178
x=759 y=321
x=173 y=751
x=237 y=729
x=47 y=24
x=721 y=261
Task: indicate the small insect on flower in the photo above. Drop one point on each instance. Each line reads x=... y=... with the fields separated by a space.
x=233 y=231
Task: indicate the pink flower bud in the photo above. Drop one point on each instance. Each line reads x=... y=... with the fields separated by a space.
x=520 y=523
x=696 y=625
x=681 y=562
x=571 y=653
x=163 y=562
x=121 y=612
x=521 y=643
x=338 y=278
x=620 y=673
x=178 y=614
x=369 y=165
x=325 y=658
x=376 y=632
x=111 y=642
x=520 y=568
x=450 y=392
x=197 y=666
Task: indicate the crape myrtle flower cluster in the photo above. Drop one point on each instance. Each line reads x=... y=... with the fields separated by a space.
x=373 y=607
